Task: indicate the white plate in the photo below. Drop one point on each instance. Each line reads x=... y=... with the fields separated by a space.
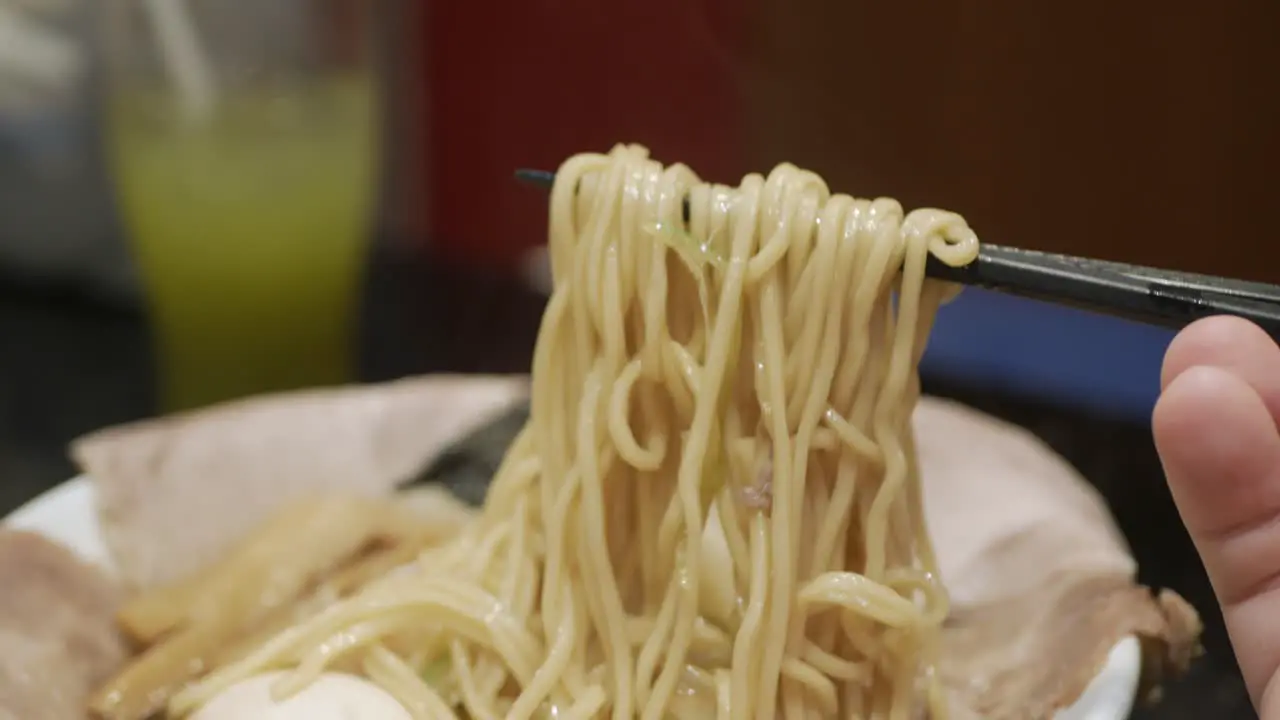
x=68 y=515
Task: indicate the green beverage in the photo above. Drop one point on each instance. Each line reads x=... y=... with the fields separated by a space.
x=249 y=228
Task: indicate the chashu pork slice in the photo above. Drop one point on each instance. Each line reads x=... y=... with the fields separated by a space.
x=174 y=493
x=58 y=637
x=1042 y=583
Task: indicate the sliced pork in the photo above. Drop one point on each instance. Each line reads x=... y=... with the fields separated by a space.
x=175 y=493
x=58 y=637
x=1042 y=583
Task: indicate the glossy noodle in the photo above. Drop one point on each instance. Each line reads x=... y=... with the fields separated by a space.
x=714 y=510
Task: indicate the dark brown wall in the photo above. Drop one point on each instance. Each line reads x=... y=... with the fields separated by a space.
x=1135 y=131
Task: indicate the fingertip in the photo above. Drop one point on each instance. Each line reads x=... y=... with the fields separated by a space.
x=1228 y=342
x=1219 y=447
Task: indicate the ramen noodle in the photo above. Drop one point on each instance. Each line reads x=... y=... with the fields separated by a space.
x=714 y=509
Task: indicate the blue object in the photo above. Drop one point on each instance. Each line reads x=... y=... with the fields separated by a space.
x=1047 y=352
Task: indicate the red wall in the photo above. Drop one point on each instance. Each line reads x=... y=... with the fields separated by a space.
x=528 y=83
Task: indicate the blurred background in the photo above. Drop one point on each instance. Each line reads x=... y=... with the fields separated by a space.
x=202 y=199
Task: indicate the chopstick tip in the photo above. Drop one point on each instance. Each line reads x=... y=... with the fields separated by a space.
x=538 y=178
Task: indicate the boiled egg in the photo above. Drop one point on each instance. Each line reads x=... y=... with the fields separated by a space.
x=333 y=696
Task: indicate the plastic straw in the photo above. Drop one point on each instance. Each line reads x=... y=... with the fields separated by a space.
x=184 y=59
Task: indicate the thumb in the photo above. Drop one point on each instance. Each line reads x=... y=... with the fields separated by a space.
x=1220 y=447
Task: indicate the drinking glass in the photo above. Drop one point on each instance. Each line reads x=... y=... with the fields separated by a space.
x=243 y=143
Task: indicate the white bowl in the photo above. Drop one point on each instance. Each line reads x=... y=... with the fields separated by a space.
x=68 y=515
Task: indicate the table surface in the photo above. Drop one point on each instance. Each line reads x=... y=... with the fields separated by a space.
x=70 y=366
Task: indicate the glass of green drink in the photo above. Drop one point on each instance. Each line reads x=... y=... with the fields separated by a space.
x=244 y=147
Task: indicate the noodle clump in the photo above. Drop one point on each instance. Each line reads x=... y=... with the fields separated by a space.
x=714 y=509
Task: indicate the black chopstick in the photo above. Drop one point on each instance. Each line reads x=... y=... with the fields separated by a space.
x=1150 y=295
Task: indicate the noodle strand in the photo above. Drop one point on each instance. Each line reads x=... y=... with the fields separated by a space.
x=715 y=508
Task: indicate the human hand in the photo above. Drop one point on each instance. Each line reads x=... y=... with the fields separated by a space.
x=1215 y=427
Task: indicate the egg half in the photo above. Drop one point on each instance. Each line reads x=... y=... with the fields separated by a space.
x=333 y=696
